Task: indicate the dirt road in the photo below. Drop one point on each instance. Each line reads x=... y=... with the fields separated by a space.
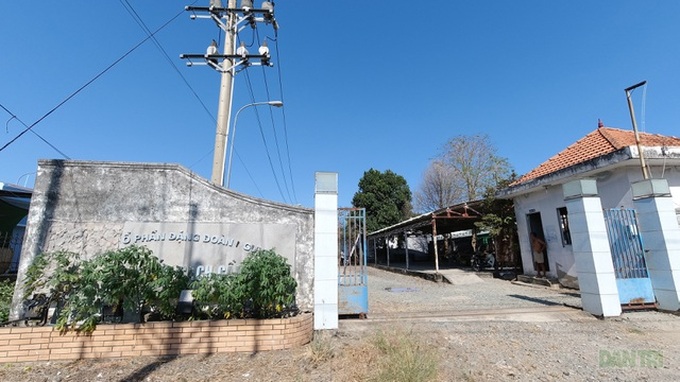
x=473 y=330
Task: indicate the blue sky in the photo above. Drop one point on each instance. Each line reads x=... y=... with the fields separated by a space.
x=380 y=84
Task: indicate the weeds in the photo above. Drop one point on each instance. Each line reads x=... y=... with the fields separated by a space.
x=403 y=358
x=321 y=349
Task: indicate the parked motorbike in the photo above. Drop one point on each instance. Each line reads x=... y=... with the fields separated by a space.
x=483 y=260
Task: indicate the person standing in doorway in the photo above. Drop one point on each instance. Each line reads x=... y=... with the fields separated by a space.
x=537 y=248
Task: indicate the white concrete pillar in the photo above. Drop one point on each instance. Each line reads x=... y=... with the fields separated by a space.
x=590 y=244
x=661 y=239
x=406 y=247
x=326 y=251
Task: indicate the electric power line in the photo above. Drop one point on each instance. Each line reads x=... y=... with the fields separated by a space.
x=276 y=139
x=34 y=133
x=264 y=139
x=88 y=83
x=283 y=111
x=135 y=16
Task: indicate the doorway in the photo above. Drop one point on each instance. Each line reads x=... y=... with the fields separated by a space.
x=535 y=225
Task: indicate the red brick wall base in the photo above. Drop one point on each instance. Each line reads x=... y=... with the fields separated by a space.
x=26 y=344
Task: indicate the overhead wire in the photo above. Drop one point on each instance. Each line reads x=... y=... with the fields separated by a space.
x=135 y=16
x=252 y=179
x=88 y=83
x=283 y=112
x=276 y=139
x=264 y=139
x=13 y=116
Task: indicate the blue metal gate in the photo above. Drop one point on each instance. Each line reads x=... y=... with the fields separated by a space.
x=628 y=256
x=353 y=276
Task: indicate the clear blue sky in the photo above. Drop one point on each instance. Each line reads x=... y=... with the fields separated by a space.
x=366 y=84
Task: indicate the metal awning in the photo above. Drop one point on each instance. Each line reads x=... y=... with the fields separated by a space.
x=454 y=218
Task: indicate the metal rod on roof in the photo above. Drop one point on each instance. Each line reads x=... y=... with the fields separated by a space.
x=643 y=165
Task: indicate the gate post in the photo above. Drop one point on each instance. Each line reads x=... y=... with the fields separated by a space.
x=596 y=279
x=661 y=239
x=326 y=251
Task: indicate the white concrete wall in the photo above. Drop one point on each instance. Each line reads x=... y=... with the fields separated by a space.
x=546 y=203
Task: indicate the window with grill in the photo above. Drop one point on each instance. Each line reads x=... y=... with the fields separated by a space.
x=564 y=225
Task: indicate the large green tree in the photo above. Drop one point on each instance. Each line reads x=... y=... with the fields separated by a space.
x=386 y=198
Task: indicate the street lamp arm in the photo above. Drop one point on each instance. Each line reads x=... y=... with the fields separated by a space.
x=233 y=133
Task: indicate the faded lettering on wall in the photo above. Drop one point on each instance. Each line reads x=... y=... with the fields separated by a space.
x=210 y=247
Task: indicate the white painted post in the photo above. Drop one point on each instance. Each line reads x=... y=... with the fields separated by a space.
x=661 y=239
x=406 y=247
x=326 y=251
x=596 y=278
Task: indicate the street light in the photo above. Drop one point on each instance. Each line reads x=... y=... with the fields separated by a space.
x=233 y=133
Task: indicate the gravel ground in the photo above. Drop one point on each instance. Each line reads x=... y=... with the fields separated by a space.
x=472 y=329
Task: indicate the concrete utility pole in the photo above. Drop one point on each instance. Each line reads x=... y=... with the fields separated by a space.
x=231 y=59
x=224 y=103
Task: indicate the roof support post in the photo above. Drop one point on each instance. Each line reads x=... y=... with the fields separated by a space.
x=434 y=242
x=406 y=247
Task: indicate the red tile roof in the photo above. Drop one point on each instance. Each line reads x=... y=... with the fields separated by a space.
x=603 y=141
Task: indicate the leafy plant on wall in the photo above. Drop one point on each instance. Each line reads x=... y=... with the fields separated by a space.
x=6 y=293
x=263 y=288
x=71 y=283
x=130 y=277
x=137 y=279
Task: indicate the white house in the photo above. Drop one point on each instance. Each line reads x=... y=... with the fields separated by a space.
x=607 y=155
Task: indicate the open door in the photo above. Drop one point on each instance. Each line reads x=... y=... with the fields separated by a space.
x=535 y=225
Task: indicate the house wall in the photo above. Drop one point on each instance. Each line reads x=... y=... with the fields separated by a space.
x=545 y=202
x=614 y=187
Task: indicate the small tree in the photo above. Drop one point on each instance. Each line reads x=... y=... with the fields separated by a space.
x=499 y=220
x=466 y=167
x=438 y=188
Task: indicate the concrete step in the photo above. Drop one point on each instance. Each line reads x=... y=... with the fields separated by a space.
x=550 y=283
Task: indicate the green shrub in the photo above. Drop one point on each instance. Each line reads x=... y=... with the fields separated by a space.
x=218 y=296
x=267 y=285
x=6 y=294
x=136 y=278
x=263 y=288
x=71 y=283
x=132 y=277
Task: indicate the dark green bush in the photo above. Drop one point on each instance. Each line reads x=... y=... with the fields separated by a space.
x=131 y=277
x=136 y=280
x=267 y=285
x=218 y=296
x=263 y=288
x=6 y=294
